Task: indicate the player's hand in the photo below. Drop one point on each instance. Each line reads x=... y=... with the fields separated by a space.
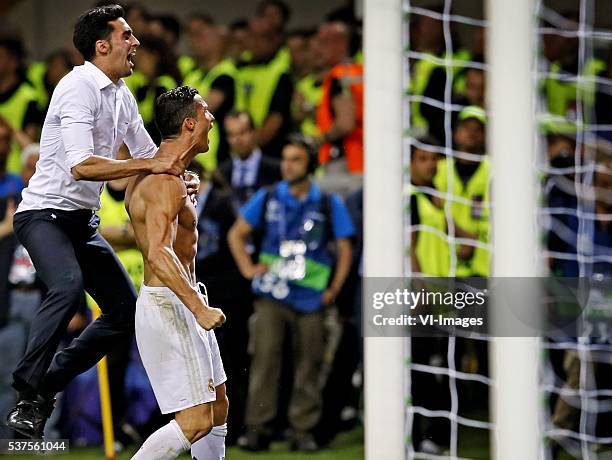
x=173 y=166
x=192 y=182
x=210 y=318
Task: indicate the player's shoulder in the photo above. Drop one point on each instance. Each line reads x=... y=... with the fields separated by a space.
x=157 y=186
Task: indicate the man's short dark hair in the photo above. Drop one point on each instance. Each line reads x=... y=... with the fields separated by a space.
x=306 y=144
x=172 y=107
x=93 y=25
x=241 y=113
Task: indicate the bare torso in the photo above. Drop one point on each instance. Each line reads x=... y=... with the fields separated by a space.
x=184 y=227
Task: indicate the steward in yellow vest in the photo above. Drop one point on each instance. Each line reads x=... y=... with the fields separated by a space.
x=428 y=75
x=429 y=248
x=562 y=96
x=568 y=83
x=467 y=178
x=265 y=89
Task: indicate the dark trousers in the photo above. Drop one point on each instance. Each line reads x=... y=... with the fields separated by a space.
x=271 y=321
x=70 y=256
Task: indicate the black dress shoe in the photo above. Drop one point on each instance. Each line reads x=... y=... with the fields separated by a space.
x=28 y=417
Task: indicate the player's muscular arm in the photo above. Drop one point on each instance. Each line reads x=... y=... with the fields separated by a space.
x=163 y=200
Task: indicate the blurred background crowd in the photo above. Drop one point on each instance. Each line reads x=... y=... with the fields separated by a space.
x=265 y=85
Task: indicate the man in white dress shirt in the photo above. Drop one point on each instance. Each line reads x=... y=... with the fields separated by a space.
x=91 y=114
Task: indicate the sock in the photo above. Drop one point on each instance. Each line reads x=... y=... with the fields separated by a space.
x=211 y=446
x=167 y=443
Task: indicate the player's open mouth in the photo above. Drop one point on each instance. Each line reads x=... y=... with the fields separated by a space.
x=130 y=58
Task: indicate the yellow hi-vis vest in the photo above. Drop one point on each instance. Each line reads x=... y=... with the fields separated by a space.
x=561 y=97
x=312 y=93
x=13 y=111
x=472 y=216
x=256 y=86
x=283 y=58
x=36 y=76
x=423 y=68
x=186 y=64
x=113 y=213
x=202 y=81
x=432 y=248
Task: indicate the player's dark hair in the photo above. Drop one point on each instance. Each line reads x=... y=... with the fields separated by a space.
x=172 y=107
x=94 y=25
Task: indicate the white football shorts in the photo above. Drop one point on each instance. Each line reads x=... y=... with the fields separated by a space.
x=181 y=358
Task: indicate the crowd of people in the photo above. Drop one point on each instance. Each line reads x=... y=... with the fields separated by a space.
x=277 y=248
x=450 y=174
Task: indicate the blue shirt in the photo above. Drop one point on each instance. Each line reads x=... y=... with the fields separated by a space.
x=10 y=185
x=287 y=218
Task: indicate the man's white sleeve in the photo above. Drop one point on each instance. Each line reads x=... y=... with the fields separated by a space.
x=77 y=106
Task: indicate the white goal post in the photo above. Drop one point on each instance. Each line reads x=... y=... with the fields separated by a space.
x=511 y=144
x=383 y=221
